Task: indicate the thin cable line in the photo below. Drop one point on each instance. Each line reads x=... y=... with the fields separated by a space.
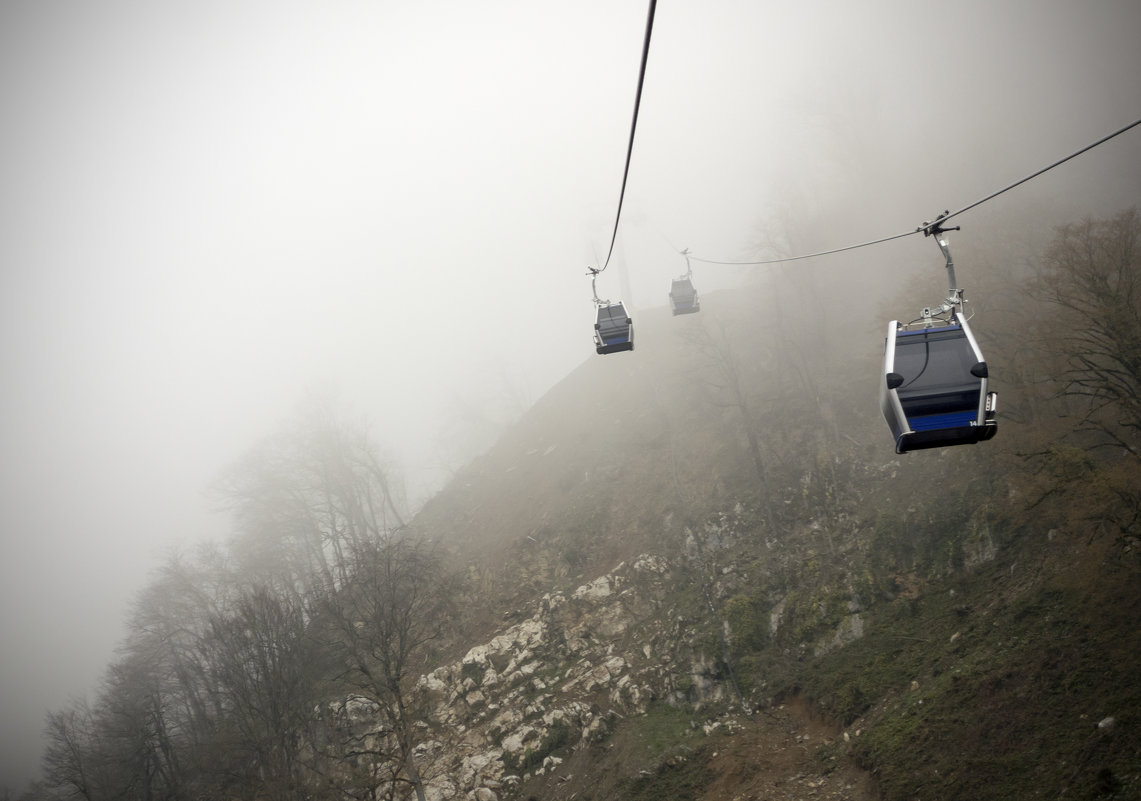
x=633 y=127
x=810 y=255
x=928 y=227
x=993 y=195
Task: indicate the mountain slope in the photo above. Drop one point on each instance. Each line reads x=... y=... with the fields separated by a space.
x=962 y=636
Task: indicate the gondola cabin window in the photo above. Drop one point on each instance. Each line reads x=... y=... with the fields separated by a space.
x=613 y=330
x=934 y=390
x=936 y=368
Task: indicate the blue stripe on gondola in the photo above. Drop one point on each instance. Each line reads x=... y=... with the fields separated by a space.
x=916 y=332
x=933 y=422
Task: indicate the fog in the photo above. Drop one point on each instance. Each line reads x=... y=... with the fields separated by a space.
x=210 y=212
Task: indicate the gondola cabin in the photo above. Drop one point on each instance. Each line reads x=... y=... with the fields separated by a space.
x=933 y=392
x=613 y=329
x=683 y=297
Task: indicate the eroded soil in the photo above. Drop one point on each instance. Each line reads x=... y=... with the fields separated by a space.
x=781 y=754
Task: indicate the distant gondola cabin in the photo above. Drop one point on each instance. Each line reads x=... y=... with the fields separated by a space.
x=683 y=297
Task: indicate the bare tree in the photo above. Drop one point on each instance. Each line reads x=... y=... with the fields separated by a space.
x=169 y=632
x=726 y=382
x=134 y=733
x=74 y=765
x=218 y=687
x=1092 y=276
x=380 y=623
x=267 y=671
x=303 y=498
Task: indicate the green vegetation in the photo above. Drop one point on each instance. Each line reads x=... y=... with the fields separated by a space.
x=681 y=779
x=1018 y=689
x=661 y=728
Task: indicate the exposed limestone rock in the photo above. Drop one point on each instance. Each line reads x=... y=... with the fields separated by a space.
x=850 y=629
x=539 y=684
x=514 y=742
x=776 y=616
x=561 y=677
x=441 y=788
x=595 y=591
x=354 y=709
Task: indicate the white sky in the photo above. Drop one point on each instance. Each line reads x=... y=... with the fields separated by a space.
x=210 y=209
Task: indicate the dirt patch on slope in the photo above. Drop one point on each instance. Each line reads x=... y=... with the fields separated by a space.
x=787 y=753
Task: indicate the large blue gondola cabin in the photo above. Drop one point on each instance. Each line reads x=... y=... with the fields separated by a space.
x=613 y=329
x=934 y=389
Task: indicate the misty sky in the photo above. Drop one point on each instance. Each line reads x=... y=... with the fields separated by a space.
x=210 y=211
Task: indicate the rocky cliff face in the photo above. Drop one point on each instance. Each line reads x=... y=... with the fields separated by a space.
x=557 y=679
x=651 y=630
x=560 y=677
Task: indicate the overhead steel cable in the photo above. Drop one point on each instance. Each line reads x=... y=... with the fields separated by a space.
x=993 y=195
x=633 y=128
x=928 y=227
x=810 y=255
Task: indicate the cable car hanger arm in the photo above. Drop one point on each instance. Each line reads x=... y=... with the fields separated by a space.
x=955 y=302
x=593 y=273
x=937 y=229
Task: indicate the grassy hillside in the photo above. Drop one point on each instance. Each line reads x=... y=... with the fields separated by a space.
x=963 y=619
